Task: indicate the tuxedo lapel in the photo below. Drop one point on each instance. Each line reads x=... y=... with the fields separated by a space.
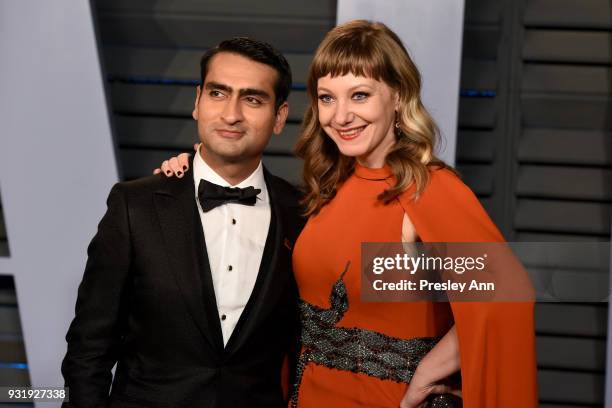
x=274 y=271
x=208 y=289
x=184 y=243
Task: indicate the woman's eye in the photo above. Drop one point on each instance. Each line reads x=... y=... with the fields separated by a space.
x=325 y=98
x=359 y=96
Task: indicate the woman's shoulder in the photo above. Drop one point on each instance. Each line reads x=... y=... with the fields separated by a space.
x=446 y=181
x=444 y=190
x=442 y=181
x=448 y=211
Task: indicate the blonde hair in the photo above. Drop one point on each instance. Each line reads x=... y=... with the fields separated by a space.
x=367 y=49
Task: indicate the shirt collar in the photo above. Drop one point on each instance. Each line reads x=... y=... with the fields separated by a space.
x=201 y=170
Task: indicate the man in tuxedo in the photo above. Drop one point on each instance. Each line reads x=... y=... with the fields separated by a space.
x=188 y=286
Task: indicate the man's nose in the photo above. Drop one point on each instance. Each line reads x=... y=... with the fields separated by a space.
x=343 y=114
x=232 y=112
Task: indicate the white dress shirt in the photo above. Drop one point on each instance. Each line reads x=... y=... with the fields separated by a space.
x=235 y=236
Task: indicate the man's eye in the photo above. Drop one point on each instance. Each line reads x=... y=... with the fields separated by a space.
x=359 y=96
x=215 y=93
x=253 y=101
x=325 y=98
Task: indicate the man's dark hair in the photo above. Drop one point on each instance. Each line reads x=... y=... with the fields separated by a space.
x=257 y=51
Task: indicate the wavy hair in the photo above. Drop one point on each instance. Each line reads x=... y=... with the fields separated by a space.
x=368 y=49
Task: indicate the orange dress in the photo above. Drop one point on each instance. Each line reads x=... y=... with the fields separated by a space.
x=496 y=340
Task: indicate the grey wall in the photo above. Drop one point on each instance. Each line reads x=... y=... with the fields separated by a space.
x=56 y=168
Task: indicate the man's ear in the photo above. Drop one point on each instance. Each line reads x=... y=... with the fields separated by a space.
x=281 y=118
x=194 y=114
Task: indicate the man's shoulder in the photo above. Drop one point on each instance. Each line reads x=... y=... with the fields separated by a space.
x=282 y=188
x=142 y=185
x=140 y=190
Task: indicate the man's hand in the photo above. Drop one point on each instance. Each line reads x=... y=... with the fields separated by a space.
x=177 y=165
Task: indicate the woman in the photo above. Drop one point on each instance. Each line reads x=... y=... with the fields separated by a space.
x=371 y=175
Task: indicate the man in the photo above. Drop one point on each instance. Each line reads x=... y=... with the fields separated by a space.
x=188 y=285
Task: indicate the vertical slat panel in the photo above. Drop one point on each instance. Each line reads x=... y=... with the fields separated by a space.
x=563 y=180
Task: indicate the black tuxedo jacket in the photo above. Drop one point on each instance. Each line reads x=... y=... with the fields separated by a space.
x=147 y=303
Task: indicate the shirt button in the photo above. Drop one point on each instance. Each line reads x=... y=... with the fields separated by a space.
x=233 y=221
x=223 y=317
x=229 y=268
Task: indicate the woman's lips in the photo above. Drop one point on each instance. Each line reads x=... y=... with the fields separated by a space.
x=350 y=134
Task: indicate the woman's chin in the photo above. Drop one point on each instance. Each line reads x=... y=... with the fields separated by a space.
x=351 y=151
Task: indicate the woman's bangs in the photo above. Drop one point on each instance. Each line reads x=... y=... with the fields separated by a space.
x=344 y=57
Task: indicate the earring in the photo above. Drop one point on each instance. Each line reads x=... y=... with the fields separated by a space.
x=398 y=130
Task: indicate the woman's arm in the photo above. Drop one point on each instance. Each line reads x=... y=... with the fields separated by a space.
x=440 y=363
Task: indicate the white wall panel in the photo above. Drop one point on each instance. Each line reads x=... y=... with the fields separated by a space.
x=57 y=165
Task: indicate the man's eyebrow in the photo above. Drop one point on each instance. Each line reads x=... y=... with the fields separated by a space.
x=242 y=92
x=216 y=85
x=254 y=92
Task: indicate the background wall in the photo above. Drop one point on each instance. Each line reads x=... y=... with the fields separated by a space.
x=534 y=134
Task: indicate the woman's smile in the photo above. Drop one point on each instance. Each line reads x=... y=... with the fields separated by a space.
x=350 y=133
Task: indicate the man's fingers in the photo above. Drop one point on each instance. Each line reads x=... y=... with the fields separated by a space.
x=157 y=171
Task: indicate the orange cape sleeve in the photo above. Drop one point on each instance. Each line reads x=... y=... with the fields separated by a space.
x=496 y=340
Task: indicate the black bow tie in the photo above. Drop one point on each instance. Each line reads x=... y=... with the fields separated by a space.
x=212 y=195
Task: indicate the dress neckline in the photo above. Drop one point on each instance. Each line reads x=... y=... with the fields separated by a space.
x=368 y=173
